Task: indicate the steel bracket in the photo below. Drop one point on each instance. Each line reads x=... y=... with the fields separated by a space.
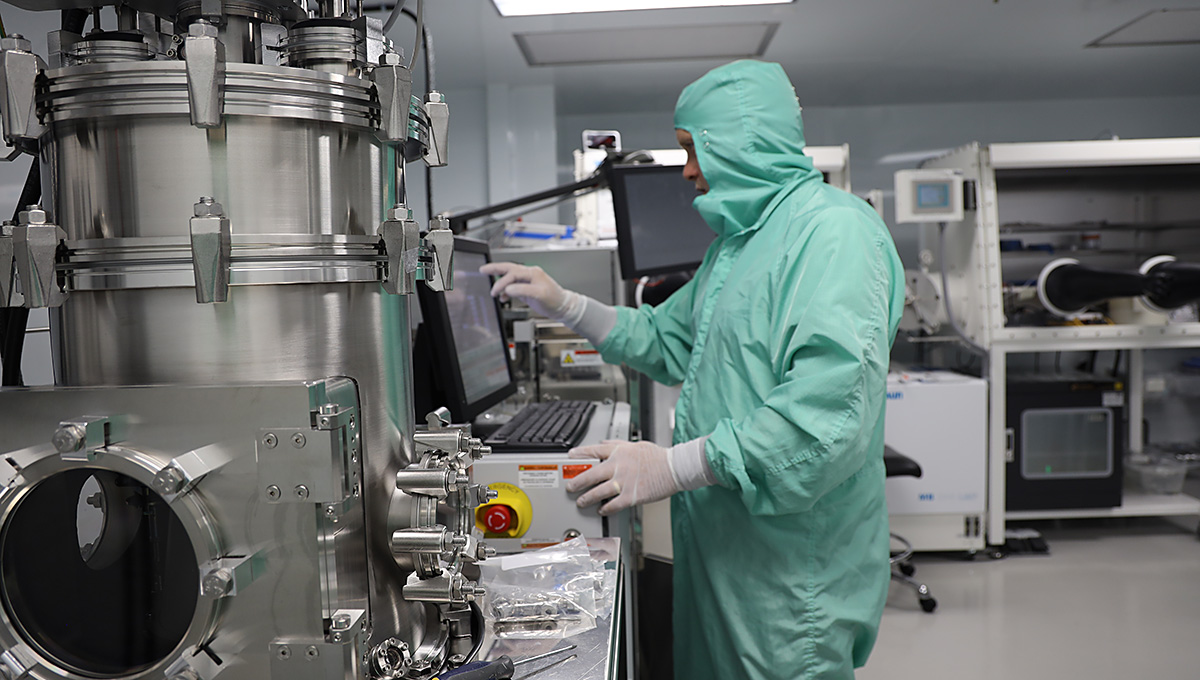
x=303 y=466
x=204 y=54
x=227 y=576
x=273 y=38
x=8 y=296
x=401 y=238
x=35 y=249
x=19 y=68
x=184 y=472
x=371 y=28
x=333 y=416
x=449 y=587
x=59 y=43
x=321 y=659
x=192 y=664
x=85 y=437
x=438 y=247
x=393 y=86
x=212 y=247
x=17 y=661
x=345 y=625
x=438 y=153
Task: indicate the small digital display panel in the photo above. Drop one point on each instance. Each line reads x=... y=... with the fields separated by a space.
x=933 y=195
x=478 y=339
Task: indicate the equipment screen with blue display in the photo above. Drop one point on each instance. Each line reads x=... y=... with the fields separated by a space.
x=933 y=195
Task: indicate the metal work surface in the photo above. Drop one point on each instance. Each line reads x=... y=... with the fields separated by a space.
x=597 y=654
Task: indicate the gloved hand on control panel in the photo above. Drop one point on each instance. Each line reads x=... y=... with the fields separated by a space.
x=633 y=473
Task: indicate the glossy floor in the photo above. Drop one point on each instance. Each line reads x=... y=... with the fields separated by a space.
x=1114 y=600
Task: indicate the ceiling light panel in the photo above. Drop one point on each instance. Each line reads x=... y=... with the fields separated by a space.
x=725 y=41
x=524 y=8
x=1160 y=27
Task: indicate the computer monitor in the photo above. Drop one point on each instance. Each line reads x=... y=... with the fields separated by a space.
x=658 y=230
x=460 y=357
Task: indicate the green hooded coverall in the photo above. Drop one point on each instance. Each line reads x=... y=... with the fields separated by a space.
x=781 y=342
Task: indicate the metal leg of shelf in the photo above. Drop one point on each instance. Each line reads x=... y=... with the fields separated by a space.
x=997 y=422
x=1136 y=392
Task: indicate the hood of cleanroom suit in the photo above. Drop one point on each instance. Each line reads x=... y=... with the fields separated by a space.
x=745 y=121
x=781 y=344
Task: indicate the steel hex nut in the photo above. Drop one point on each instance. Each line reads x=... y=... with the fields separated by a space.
x=399 y=213
x=203 y=29
x=168 y=481
x=33 y=215
x=68 y=438
x=218 y=583
x=208 y=208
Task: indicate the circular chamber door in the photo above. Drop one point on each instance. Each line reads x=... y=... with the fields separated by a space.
x=98 y=573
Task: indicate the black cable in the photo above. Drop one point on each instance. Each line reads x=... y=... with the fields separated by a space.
x=430 y=70
x=1116 y=362
x=391 y=20
x=14 y=320
x=14 y=342
x=430 y=62
x=73 y=20
x=430 y=85
x=31 y=192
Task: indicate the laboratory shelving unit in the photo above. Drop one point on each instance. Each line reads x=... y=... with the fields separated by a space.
x=1110 y=203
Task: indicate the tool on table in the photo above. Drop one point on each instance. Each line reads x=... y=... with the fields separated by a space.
x=499 y=669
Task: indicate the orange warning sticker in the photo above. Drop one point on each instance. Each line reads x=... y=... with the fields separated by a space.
x=573 y=471
x=535 y=546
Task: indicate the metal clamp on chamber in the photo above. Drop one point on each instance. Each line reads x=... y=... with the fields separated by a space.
x=411 y=258
x=441 y=477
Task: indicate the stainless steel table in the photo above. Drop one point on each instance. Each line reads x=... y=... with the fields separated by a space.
x=597 y=653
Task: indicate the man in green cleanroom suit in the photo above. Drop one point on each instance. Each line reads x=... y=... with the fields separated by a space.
x=781 y=342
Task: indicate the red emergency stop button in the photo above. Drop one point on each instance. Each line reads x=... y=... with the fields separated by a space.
x=499 y=518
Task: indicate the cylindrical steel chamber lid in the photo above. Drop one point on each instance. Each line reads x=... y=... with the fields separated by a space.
x=109 y=47
x=160 y=88
x=327 y=45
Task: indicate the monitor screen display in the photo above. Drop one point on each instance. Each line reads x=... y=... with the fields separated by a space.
x=478 y=338
x=658 y=230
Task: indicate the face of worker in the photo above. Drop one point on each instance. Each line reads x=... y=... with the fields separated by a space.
x=691 y=171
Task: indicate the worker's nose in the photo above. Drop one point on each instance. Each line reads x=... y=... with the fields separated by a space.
x=691 y=170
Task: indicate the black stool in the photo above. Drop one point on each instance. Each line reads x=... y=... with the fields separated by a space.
x=899 y=465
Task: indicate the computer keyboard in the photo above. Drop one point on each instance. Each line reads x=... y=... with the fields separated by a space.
x=546 y=426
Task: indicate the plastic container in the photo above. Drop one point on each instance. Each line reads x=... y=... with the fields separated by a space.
x=1160 y=475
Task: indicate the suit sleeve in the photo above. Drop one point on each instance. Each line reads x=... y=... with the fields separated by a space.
x=655 y=340
x=834 y=304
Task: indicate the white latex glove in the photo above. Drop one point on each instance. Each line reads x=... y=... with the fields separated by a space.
x=630 y=474
x=535 y=288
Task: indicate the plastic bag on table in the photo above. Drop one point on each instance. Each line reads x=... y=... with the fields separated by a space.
x=546 y=593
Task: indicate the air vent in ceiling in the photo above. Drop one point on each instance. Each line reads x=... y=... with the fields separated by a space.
x=1160 y=27
x=724 y=41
